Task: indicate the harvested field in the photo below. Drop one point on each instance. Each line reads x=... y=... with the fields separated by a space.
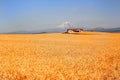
x=60 y=56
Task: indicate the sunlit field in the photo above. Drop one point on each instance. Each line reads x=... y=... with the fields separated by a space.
x=59 y=56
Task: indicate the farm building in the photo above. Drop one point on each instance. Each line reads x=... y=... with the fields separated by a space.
x=74 y=30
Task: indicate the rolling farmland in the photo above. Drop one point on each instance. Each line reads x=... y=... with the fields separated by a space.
x=58 y=56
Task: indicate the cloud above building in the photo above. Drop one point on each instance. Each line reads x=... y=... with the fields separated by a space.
x=64 y=25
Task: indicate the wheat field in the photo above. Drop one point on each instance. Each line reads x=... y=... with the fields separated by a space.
x=58 y=56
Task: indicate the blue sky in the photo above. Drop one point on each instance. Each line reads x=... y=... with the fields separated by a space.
x=31 y=15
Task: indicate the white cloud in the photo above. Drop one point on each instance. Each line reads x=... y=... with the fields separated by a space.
x=64 y=24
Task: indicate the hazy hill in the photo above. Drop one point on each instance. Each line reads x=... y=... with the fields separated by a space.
x=62 y=30
x=107 y=29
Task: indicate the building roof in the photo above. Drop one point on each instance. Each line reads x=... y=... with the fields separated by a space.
x=75 y=29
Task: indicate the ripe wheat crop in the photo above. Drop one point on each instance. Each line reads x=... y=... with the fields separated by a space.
x=60 y=56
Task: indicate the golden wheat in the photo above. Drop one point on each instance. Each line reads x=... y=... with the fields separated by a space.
x=84 y=56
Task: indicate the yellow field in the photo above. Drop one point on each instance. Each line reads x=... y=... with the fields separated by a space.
x=84 y=56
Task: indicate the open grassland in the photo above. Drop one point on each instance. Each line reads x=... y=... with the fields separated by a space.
x=84 y=56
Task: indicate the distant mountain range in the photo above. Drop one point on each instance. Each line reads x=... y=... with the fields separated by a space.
x=62 y=30
x=54 y=30
x=107 y=29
